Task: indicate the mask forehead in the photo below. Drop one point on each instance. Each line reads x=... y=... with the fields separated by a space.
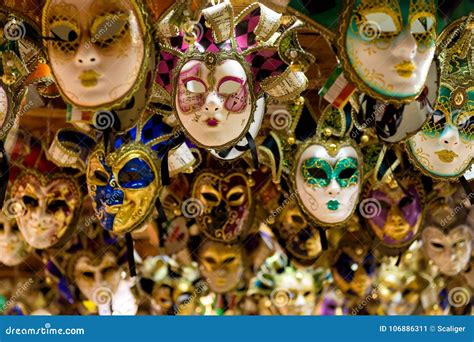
x=319 y=151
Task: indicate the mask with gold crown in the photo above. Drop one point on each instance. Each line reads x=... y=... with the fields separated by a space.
x=443 y=148
x=215 y=70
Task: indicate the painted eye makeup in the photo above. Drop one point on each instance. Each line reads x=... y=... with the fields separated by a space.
x=229 y=85
x=316 y=172
x=108 y=29
x=65 y=33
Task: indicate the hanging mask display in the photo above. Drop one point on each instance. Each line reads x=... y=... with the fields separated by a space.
x=45 y=200
x=353 y=266
x=125 y=183
x=87 y=44
x=447 y=238
x=216 y=69
x=227 y=204
x=327 y=175
x=444 y=148
x=222 y=265
x=386 y=47
x=394 y=211
x=13 y=248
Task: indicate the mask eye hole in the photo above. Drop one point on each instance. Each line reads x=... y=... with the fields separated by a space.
x=318 y=173
x=101 y=177
x=405 y=201
x=195 y=85
x=108 y=271
x=347 y=173
x=236 y=196
x=437 y=245
x=209 y=196
x=30 y=201
x=229 y=86
x=422 y=25
x=2 y=228
x=64 y=30
x=57 y=205
x=307 y=293
x=298 y=219
x=88 y=274
x=210 y=260
x=229 y=260
x=108 y=28
x=136 y=174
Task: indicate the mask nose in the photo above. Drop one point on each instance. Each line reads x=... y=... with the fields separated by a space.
x=213 y=104
x=86 y=56
x=450 y=138
x=333 y=189
x=405 y=46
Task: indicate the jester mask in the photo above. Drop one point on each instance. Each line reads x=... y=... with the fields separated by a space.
x=216 y=71
x=444 y=148
x=387 y=46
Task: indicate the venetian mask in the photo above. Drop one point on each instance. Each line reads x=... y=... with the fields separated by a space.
x=88 y=43
x=301 y=240
x=397 y=210
x=93 y=275
x=443 y=148
x=354 y=266
x=387 y=46
x=447 y=238
x=327 y=180
x=222 y=68
x=226 y=202
x=221 y=265
x=399 y=290
x=13 y=248
x=125 y=183
x=299 y=288
x=49 y=207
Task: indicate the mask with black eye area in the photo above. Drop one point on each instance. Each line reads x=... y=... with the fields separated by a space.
x=227 y=204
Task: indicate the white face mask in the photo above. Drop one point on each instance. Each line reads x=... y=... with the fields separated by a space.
x=97 y=278
x=328 y=184
x=13 y=248
x=444 y=148
x=298 y=288
x=389 y=46
x=92 y=41
x=450 y=252
x=214 y=106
